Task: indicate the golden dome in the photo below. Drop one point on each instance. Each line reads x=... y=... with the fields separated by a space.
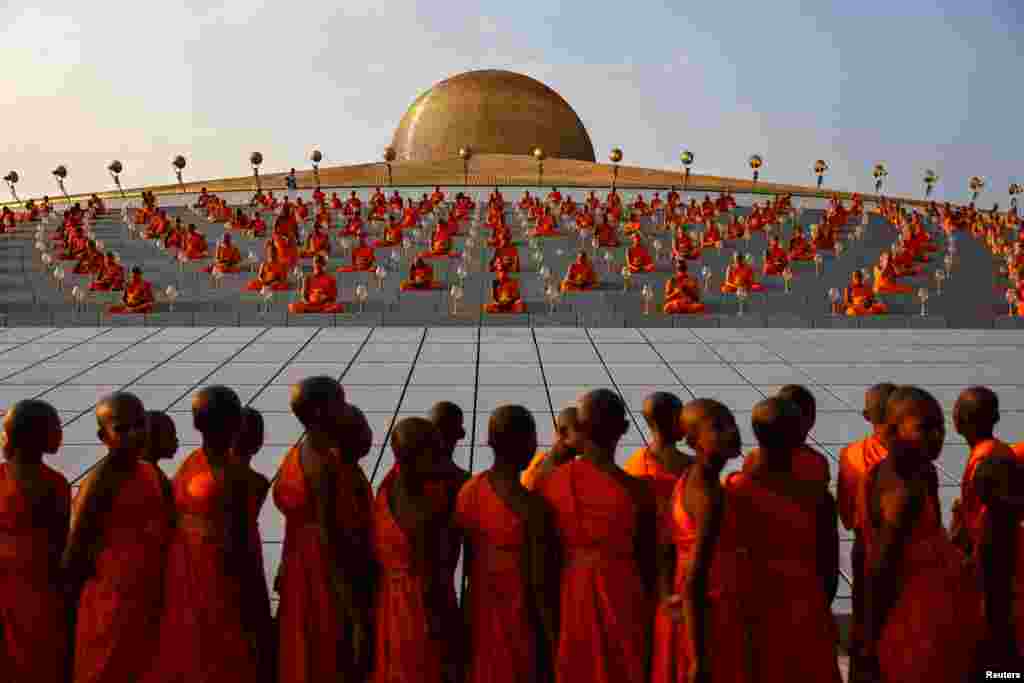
x=491 y=112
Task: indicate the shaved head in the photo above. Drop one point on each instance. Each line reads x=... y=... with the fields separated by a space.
x=909 y=399
x=413 y=436
x=602 y=417
x=776 y=424
x=661 y=412
x=121 y=418
x=568 y=417
x=312 y=398
x=33 y=426
x=356 y=432
x=512 y=433
x=250 y=433
x=875 y=400
x=217 y=414
x=976 y=409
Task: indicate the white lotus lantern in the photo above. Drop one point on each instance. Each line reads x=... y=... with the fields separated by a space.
x=923 y=296
x=380 y=274
x=787 y=279
x=647 y=296
x=1012 y=298
x=172 y=295
x=456 y=293
x=819 y=263
x=940 y=277
x=705 y=274
x=627 y=276
x=362 y=294
x=833 y=297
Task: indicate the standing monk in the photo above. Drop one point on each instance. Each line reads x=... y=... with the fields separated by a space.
x=161 y=439
x=210 y=630
x=606 y=525
x=910 y=561
x=35 y=506
x=413 y=614
x=975 y=416
x=511 y=609
x=327 y=502
x=808 y=464
x=122 y=522
x=661 y=461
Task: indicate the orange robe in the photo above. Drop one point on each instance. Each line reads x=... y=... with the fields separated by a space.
x=121 y=604
x=226 y=260
x=509 y=257
x=606 y=236
x=790 y=626
x=639 y=259
x=712 y=236
x=272 y=274
x=501 y=628
x=807 y=464
x=605 y=612
x=111 y=278
x=363 y=259
x=683 y=247
x=201 y=638
x=777 y=261
x=642 y=464
x=33 y=613
x=740 y=277
x=854 y=463
x=421 y=278
x=580 y=278
x=138 y=299
x=392 y=237
x=309 y=623
x=800 y=249
x=90 y=262
x=316 y=243
x=196 y=247
x=545 y=227
x=533 y=473
x=440 y=246
x=885 y=284
x=507 y=297
x=861 y=301
x=287 y=249
x=971 y=508
x=404 y=649
x=932 y=630
x=682 y=297
x=321 y=297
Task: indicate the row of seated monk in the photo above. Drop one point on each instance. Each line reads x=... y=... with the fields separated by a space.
x=684 y=567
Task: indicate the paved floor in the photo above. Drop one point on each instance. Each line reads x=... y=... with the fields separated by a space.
x=392 y=372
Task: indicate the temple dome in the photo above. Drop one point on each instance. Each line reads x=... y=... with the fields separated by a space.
x=491 y=112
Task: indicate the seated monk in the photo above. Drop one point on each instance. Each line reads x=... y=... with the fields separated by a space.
x=885 y=277
x=110 y=278
x=502 y=233
x=545 y=226
x=638 y=258
x=441 y=244
x=354 y=227
x=737 y=228
x=96 y=205
x=585 y=219
x=656 y=202
x=395 y=202
x=392 y=236
x=287 y=249
x=506 y=255
x=174 y=237
x=739 y=276
x=258 y=226
x=300 y=211
x=800 y=249
x=239 y=221
x=712 y=236
x=221 y=213
x=138 y=296
x=318 y=196
x=683 y=246
x=196 y=246
x=421 y=277
x=569 y=207
x=581 y=275
x=226 y=259
x=822 y=237
x=363 y=258
x=902 y=260
x=776 y=259
x=319 y=291
x=859 y=299
x=495 y=216
x=7 y=220
x=317 y=242
x=707 y=208
x=336 y=204
x=606 y=234
x=157 y=225
x=436 y=196
x=272 y=273
x=410 y=216
x=78 y=244
x=913 y=244
x=505 y=294
x=91 y=260
x=632 y=226
x=682 y=293
x=554 y=197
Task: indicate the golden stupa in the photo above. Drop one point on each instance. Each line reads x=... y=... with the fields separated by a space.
x=491 y=112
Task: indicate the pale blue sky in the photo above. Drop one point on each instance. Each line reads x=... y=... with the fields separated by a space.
x=914 y=84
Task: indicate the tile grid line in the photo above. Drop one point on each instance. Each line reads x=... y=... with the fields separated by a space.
x=632 y=418
x=476 y=394
x=544 y=379
x=39 y=362
x=662 y=359
x=398 y=405
x=123 y=387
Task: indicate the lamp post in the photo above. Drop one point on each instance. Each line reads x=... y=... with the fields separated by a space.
x=756 y=161
x=879 y=172
x=389 y=156
x=820 y=169
x=976 y=185
x=316 y=157
x=60 y=173
x=12 y=180
x=930 y=178
x=615 y=157
x=256 y=159
x=687 y=159
x=465 y=153
x=179 y=165
x=115 y=169
x=538 y=154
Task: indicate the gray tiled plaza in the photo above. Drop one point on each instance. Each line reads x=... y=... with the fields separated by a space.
x=394 y=372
